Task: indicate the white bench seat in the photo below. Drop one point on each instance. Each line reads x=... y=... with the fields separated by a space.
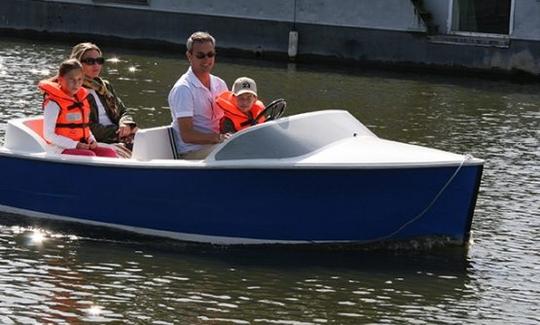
x=26 y=134
x=154 y=143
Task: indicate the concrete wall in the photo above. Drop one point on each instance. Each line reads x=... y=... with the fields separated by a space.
x=365 y=31
x=140 y=24
x=526 y=20
x=172 y=20
x=384 y=15
x=379 y=14
x=388 y=14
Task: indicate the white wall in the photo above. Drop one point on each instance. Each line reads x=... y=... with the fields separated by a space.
x=526 y=20
x=377 y=14
x=387 y=14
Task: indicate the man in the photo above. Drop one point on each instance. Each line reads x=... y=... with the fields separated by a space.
x=192 y=100
x=240 y=106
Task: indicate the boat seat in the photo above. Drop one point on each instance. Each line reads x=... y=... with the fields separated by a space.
x=26 y=134
x=154 y=143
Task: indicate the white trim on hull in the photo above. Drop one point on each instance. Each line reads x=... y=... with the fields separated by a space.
x=216 y=240
x=211 y=240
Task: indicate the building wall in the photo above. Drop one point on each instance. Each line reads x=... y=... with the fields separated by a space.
x=526 y=20
x=384 y=15
x=380 y=14
x=265 y=25
x=369 y=32
x=388 y=14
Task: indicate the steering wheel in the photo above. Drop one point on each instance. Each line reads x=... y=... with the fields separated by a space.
x=273 y=111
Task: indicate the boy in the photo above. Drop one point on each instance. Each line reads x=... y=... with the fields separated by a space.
x=240 y=106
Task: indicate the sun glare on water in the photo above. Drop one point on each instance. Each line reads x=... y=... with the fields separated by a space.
x=94 y=310
x=113 y=60
x=37 y=236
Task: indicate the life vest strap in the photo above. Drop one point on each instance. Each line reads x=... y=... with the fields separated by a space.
x=75 y=105
x=72 y=125
x=250 y=121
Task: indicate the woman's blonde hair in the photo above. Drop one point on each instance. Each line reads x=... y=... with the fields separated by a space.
x=78 y=50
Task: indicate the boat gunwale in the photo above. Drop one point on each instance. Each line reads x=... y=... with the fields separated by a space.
x=288 y=163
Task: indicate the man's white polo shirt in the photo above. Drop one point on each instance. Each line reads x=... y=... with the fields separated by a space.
x=190 y=98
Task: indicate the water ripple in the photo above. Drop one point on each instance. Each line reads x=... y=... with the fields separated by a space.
x=61 y=278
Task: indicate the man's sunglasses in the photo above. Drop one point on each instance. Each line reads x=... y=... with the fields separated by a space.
x=201 y=55
x=92 y=61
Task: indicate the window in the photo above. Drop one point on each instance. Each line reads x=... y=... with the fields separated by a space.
x=481 y=16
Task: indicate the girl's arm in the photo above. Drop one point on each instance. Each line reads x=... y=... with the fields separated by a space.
x=50 y=115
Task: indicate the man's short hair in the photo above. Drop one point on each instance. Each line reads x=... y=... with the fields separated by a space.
x=200 y=37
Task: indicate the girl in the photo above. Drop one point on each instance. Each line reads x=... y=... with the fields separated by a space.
x=66 y=113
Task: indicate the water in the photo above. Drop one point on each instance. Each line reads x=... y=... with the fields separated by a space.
x=62 y=274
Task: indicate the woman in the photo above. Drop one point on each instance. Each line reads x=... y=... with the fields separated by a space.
x=109 y=121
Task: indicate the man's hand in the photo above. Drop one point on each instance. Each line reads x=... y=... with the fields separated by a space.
x=189 y=135
x=124 y=131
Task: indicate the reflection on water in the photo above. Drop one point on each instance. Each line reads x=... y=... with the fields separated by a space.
x=70 y=278
x=56 y=276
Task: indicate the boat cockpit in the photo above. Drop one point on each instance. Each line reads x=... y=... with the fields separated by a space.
x=279 y=139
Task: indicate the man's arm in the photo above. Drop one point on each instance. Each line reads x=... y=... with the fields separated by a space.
x=189 y=135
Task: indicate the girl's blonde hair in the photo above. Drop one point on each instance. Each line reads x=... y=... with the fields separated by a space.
x=68 y=66
x=78 y=50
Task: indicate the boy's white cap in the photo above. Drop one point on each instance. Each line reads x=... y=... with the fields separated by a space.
x=244 y=85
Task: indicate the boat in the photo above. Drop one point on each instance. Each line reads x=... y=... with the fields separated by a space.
x=317 y=178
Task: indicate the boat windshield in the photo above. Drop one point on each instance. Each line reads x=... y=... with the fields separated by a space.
x=292 y=137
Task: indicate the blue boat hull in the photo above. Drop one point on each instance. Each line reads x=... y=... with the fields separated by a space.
x=246 y=206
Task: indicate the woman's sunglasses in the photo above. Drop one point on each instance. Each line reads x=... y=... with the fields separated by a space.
x=200 y=55
x=92 y=61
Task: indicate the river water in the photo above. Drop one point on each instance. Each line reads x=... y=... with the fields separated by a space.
x=63 y=274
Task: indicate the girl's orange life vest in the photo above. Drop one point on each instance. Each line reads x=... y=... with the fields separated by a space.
x=241 y=120
x=74 y=117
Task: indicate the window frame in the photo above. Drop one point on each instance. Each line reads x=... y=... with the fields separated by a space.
x=449 y=24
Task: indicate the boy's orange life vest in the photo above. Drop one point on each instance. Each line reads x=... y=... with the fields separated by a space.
x=241 y=120
x=74 y=116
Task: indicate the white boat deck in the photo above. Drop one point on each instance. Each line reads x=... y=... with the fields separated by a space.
x=323 y=139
